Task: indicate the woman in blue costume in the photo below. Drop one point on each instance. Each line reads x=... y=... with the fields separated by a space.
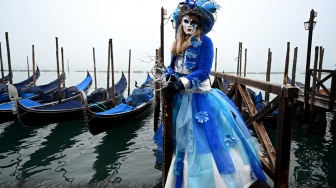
x=213 y=146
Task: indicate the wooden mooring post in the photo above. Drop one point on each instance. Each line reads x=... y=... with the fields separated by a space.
x=167 y=133
x=276 y=161
x=286 y=64
x=157 y=93
x=94 y=67
x=9 y=60
x=2 y=70
x=268 y=72
x=307 y=77
x=313 y=91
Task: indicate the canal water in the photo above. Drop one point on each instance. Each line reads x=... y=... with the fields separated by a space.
x=66 y=153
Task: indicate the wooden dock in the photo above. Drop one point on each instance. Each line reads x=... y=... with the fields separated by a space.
x=317 y=97
x=320 y=102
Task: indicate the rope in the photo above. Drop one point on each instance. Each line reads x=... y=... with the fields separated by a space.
x=158 y=71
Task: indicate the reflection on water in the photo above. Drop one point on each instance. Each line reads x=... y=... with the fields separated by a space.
x=50 y=151
x=314 y=157
x=116 y=162
x=60 y=168
x=313 y=161
x=110 y=149
x=11 y=150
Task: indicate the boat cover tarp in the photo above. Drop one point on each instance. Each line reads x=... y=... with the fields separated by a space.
x=66 y=92
x=29 y=103
x=260 y=106
x=140 y=96
x=3 y=88
x=29 y=92
x=25 y=102
x=6 y=106
x=255 y=98
x=97 y=95
x=121 y=108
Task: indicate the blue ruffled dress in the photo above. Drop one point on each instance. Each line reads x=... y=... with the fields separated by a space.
x=213 y=146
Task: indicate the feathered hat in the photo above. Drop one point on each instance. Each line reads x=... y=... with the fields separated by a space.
x=204 y=9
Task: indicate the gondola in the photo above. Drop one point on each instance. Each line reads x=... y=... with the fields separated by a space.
x=30 y=112
x=21 y=86
x=33 y=115
x=137 y=104
x=32 y=93
x=28 y=82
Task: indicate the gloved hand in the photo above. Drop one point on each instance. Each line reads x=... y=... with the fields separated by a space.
x=171 y=78
x=175 y=87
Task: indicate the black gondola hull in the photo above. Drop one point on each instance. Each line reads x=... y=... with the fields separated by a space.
x=7 y=115
x=34 y=117
x=98 y=124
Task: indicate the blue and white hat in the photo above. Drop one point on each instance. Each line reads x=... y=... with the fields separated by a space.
x=204 y=9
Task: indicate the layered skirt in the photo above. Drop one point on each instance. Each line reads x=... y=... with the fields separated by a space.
x=213 y=146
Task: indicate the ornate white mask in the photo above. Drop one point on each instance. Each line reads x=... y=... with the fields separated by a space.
x=189 y=26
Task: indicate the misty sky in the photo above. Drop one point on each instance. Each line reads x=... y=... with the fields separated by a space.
x=81 y=25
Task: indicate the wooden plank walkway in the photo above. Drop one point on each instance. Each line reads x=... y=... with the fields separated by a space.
x=321 y=102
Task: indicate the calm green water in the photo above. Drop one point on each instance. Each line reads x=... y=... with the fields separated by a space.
x=67 y=152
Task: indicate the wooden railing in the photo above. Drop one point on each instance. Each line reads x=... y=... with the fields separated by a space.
x=275 y=161
x=311 y=93
x=318 y=83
